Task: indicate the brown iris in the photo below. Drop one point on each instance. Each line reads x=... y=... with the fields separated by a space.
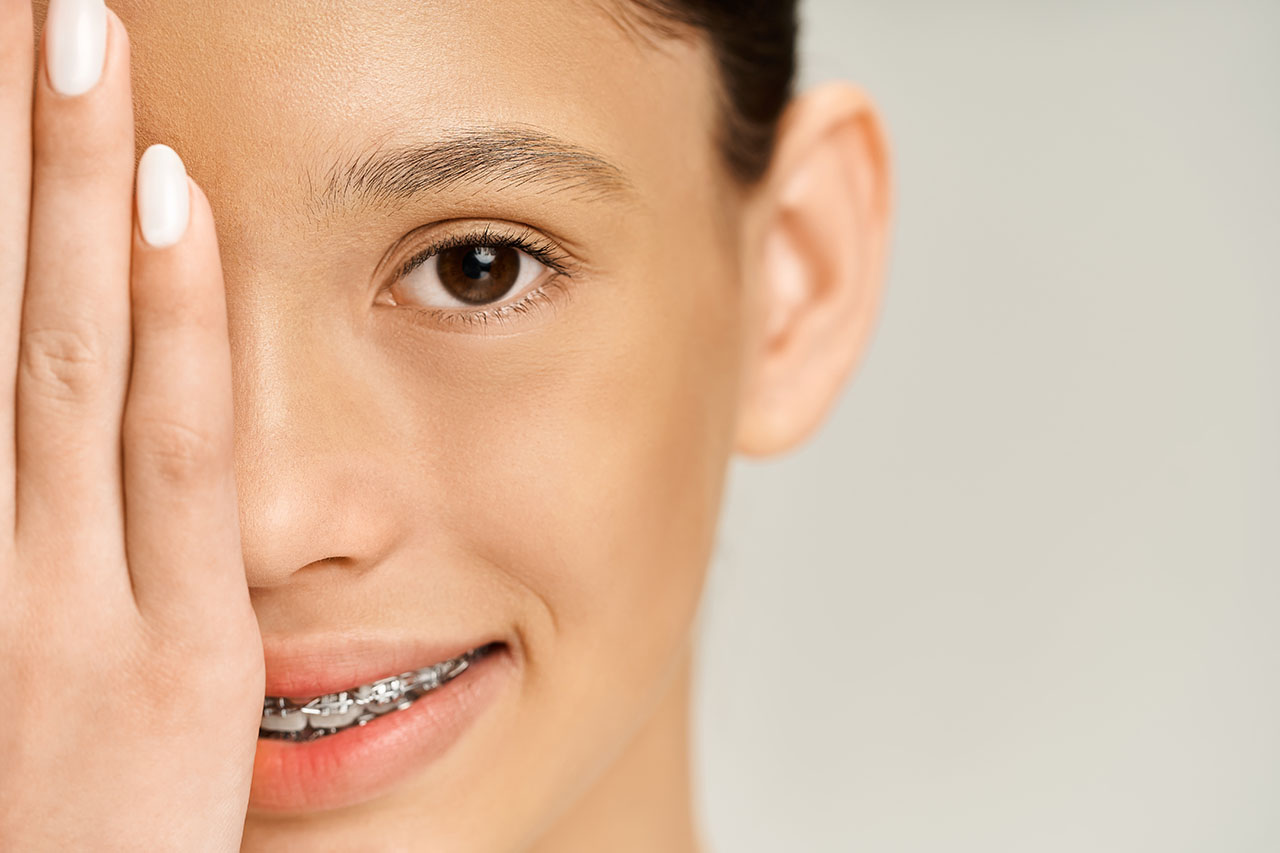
x=478 y=274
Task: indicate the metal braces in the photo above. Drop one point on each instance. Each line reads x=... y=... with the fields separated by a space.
x=395 y=692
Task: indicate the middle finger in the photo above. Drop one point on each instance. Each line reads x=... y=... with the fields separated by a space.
x=75 y=347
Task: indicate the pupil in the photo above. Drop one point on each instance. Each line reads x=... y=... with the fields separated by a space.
x=478 y=274
x=477 y=262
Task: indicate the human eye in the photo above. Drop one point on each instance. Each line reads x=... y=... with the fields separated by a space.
x=478 y=277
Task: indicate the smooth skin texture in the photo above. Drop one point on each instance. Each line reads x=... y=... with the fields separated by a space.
x=557 y=475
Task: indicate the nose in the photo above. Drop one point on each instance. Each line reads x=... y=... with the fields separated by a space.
x=313 y=479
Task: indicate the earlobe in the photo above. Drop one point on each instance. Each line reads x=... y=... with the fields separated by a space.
x=816 y=246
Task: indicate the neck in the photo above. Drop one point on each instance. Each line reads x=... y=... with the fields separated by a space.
x=644 y=801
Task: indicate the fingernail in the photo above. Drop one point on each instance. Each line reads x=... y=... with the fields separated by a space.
x=163 y=199
x=76 y=44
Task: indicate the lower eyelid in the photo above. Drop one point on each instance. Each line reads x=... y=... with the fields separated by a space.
x=550 y=295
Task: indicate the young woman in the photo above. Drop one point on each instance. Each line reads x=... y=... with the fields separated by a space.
x=369 y=436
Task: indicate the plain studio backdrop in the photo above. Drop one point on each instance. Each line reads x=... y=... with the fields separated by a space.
x=1022 y=591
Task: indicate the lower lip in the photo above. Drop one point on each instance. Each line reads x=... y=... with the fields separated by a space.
x=362 y=762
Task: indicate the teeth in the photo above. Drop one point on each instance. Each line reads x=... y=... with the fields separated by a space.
x=284 y=721
x=326 y=721
x=328 y=714
x=381 y=697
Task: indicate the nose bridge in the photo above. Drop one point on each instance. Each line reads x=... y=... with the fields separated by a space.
x=309 y=473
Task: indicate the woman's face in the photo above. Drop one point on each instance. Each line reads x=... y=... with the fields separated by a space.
x=414 y=466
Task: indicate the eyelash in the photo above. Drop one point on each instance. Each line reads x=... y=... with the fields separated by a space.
x=527 y=241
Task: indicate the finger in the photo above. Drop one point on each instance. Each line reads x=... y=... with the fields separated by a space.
x=74 y=349
x=181 y=518
x=16 y=59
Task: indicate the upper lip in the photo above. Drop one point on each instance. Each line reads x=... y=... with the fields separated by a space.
x=306 y=666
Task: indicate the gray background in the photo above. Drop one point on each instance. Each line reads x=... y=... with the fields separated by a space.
x=1021 y=591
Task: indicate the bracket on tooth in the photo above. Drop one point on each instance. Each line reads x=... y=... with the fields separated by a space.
x=391 y=693
x=329 y=705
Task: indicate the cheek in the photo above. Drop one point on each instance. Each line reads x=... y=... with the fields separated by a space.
x=594 y=479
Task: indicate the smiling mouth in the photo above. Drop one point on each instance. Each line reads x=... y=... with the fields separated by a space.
x=308 y=719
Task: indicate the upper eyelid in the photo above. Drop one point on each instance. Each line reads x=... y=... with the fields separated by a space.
x=527 y=239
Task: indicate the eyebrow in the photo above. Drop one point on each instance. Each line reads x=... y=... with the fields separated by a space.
x=508 y=156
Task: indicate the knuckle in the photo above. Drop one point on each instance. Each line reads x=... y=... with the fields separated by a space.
x=173 y=451
x=63 y=364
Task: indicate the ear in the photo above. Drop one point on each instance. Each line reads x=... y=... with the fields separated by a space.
x=815 y=242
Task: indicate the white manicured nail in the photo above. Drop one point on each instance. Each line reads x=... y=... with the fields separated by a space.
x=76 y=44
x=164 y=204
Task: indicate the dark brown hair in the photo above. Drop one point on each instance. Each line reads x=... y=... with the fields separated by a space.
x=754 y=43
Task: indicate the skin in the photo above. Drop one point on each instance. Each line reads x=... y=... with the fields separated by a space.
x=347 y=461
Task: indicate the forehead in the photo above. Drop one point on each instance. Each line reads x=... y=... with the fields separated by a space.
x=285 y=90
